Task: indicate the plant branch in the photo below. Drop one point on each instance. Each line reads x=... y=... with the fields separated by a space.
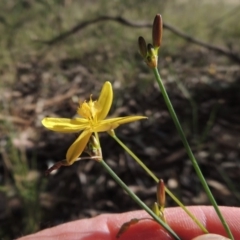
x=79 y=26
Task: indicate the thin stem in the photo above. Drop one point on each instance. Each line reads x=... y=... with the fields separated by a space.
x=137 y=199
x=189 y=151
x=97 y=137
x=138 y=160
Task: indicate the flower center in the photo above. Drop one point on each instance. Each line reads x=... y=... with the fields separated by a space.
x=89 y=110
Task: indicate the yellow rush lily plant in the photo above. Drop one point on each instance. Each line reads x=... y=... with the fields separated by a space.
x=92 y=120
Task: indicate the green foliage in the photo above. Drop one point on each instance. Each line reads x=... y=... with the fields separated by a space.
x=21 y=189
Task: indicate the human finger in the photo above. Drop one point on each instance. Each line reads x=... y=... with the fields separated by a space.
x=106 y=226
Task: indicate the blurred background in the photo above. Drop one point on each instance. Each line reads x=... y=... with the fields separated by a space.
x=56 y=52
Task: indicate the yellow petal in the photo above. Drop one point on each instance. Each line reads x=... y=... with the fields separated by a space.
x=112 y=123
x=106 y=125
x=65 y=125
x=105 y=100
x=122 y=120
x=77 y=147
x=129 y=119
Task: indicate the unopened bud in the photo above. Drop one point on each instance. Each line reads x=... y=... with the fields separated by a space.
x=152 y=57
x=94 y=142
x=93 y=147
x=155 y=209
x=161 y=194
x=157 y=31
x=142 y=47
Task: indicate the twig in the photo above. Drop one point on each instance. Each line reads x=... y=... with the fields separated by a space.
x=224 y=51
x=14 y=119
x=58 y=99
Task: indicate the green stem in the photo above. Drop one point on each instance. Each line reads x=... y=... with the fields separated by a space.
x=137 y=199
x=189 y=151
x=114 y=136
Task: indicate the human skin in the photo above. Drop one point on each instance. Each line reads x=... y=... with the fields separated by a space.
x=106 y=226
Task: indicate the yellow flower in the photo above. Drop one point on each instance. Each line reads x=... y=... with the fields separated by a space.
x=93 y=114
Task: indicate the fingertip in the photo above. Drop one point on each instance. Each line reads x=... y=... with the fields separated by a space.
x=180 y=221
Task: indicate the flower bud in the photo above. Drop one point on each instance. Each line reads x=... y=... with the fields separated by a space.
x=152 y=57
x=93 y=148
x=142 y=47
x=155 y=209
x=157 y=31
x=161 y=194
